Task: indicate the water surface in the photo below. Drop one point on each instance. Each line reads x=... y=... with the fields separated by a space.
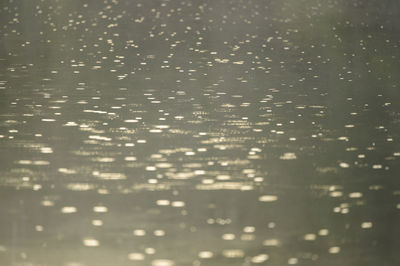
x=199 y=133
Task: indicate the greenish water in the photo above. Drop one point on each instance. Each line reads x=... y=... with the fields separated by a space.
x=199 y=133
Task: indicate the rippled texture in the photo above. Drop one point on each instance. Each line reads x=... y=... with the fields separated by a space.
x=215 y=132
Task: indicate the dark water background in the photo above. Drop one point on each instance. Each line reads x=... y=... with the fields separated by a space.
x=199 y=132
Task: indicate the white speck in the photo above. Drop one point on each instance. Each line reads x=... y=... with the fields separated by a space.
x=109 y=176
x=97 y=222
x=150 y=168
x=91 y=242
x=150 y=251
x=41 y=162
x=336 y=194
x=249 y=229
x=268 y=198
x=208 y=181
x=80 y=186
x=162 y=126
x=310 y=237
x=178 y=204
x=366 y=225
x=159 y=233
x=323 y=232
x=129 y=144
x=288 y=156
x=334 y=250
x=162 y=263
x=96 y=137
x=258 y=179
x=222 y=61
x=228 y=236
x=104 y=159
x=136 y=256
x=223 y=177
x=205 y=254
x=139 y=232
x=100 y=209
x=273 y=242
x=259 y=258
x=344 y=165
x=68 y=209
x=66 y=171
x=199 y=172
x=355 y=195
x=47 y=203
x=71 y=124
x=24 y=162
x=163 y=165
x=39 y=228
x=233 y=253
x=162 y=202
x=46 y=150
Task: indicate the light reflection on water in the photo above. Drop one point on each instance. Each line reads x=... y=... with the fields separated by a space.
x=199 y=133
